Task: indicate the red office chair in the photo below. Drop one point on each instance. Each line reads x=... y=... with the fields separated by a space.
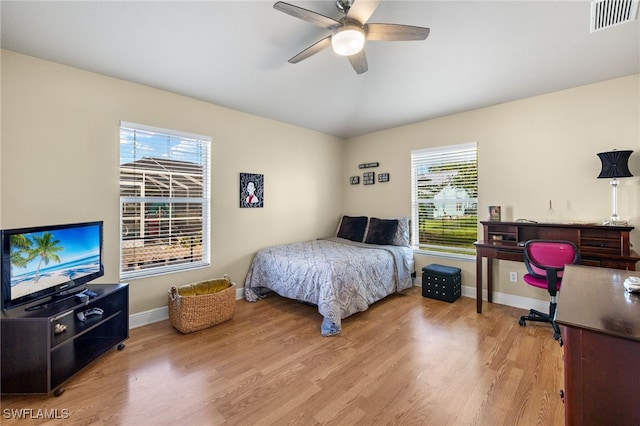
x=545 y=260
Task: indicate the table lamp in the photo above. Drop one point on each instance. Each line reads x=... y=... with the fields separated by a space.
x=614 y=166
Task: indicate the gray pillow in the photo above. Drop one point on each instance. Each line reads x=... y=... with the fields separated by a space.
x=402 y=236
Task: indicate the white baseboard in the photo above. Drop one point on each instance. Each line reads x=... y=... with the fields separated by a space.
x=509 y=299
x=148 y=317
x=501 y=298
x=161 y=314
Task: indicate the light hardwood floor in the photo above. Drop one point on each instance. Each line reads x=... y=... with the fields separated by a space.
x=408 y=360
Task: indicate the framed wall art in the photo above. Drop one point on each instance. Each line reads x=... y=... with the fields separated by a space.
x=354 y=180
x=368 y=165
x=383 y=177
x=368 y=178
x=251 y=190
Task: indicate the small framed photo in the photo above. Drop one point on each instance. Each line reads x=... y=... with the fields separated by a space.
x=383 y=177
x=354 y=180
x=368 y=178
x=495 y=214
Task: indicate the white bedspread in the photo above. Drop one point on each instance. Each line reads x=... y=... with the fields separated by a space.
x=341 y=277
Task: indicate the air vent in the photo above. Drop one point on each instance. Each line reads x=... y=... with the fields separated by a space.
x=609 y=13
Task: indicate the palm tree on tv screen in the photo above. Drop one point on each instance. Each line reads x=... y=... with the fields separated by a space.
x=20 y=246
x=45 y=248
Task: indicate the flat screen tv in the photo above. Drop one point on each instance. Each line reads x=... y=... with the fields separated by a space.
x=49 y=263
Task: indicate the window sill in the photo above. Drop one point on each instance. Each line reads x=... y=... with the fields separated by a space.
x=462 y=257
x=154 y=272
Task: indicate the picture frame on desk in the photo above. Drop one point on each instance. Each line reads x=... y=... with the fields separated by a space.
x=495 y=213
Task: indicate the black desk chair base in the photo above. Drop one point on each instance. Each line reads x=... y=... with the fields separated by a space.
x=538 y=316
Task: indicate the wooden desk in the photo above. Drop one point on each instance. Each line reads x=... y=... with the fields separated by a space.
x=603 y=246
x=600 y=326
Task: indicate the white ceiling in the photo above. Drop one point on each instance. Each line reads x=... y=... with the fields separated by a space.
x=234 y=54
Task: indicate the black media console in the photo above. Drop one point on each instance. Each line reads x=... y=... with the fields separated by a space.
x=42 y=348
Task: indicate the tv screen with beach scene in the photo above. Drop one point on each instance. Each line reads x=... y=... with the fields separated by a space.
x=49 y=261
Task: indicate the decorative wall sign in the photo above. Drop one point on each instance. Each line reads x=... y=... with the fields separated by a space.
x=251 y=190
x=368 y=178
x=368 y=165
x=354 y=180
x=383 y=177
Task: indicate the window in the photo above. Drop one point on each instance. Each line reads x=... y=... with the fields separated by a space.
x=444 y=198
x=164 y=201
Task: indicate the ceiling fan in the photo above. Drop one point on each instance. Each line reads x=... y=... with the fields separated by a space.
x=350 y=32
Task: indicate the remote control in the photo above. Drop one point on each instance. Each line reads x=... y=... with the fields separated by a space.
x=82 y=316
x=90 y=293
x=84 y=298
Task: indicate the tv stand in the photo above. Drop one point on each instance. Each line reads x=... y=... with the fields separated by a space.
x=38 y=358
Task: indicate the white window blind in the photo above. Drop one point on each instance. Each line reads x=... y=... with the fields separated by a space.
x=164 y=200
x=444 y=193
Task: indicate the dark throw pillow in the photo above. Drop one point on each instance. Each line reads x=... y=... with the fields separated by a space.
x=382 y=231
x=352 y=228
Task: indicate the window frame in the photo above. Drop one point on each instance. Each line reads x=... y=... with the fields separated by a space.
x=420 y=158
x=187 y=211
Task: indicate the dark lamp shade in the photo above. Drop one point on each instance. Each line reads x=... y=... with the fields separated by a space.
x=615 y=164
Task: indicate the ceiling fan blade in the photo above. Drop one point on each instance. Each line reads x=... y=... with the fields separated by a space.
x=395 y=32
x=311 y=50
x=361 y=10
x=306 y=15
x=359 y=62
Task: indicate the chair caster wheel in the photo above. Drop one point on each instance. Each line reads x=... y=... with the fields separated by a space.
x=121 y=346
x=58 y=392
x=522 y=322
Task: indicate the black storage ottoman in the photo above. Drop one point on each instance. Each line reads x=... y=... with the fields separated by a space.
x=441 y=282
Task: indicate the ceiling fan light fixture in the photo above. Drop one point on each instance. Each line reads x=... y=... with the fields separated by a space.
x=348 y=40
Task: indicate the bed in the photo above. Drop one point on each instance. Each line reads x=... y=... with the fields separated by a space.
x=367 y=260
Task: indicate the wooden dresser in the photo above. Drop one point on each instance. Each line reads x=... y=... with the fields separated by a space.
x=600 y=326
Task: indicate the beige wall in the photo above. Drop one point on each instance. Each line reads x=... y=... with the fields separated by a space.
x=530 y=151
x=59 y=162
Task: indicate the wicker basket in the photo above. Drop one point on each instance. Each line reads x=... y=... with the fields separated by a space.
x=192 y=313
